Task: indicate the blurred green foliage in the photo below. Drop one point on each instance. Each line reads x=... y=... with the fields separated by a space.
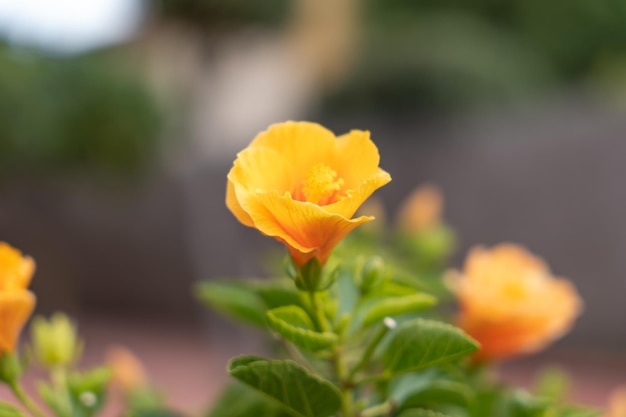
x=212 y=15
x=447 y=54
x=73 y=114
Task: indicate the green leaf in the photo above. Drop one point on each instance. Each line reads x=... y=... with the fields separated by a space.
x=237 y=300
x=278 y=293
x=429 y=389
x=525 y=405
x=419 y=343
x=294 y=324
x=347 y=293
x=239 y=400
x=291 y=385
x=420 y=412
x=376 y=310
x=88 y=390
x=7 y=410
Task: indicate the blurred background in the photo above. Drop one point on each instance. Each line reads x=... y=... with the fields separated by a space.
x=119 y=120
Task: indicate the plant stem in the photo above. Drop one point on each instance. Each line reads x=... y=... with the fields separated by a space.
x=25 y=399
x=58 y=375
x=318 y=311
x=341 y=372
x=369 y=351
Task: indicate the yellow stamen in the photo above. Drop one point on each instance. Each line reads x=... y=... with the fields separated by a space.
x=321 y=185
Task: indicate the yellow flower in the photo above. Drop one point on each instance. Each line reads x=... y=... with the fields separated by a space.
x=511 y=303
x=422 y=209
x=16 y=302
x=300 y=184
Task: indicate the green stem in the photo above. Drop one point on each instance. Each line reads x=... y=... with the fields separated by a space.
x=318 y=312
x=369 y=351
x=341 y=371
x=25 y=399
x=378 y=410
x=58 y=375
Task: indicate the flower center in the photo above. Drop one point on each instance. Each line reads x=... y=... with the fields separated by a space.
x=321 y=185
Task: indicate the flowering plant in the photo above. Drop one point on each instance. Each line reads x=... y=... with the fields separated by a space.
x=354 y=318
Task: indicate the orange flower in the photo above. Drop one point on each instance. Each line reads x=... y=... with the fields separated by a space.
x=617 y=403
x=299 y=183
x=128 y=371
x=422 y=209
x=16 y=302
x=511 y=303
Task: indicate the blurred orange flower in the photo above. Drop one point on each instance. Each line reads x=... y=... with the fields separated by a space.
x=128 y=371
x=300 y=184
x=511 y=303
x=422 y=209
x=617 y=403
x=16 y=302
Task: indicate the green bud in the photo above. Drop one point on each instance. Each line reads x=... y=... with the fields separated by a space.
x=55 y=341
x=10 y=367
x=431 y=247
x=309 y=276
x=373 y=273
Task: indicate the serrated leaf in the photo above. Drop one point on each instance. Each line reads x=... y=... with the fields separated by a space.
x=288 y=383
x=419 y=343
x=376 y=310
x=236 y=300
x=294 y=324
x=420 y=412
x=239 y=400
x=7 y=410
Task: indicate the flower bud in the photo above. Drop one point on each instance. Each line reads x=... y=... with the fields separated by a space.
x=10 y=367
x=55 y=341
x=422 y=209
x=373 y=273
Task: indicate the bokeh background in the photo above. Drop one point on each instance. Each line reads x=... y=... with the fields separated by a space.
x=119 y=120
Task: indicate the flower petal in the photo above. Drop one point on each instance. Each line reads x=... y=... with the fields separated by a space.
x=262 y=168
x=233 y=205
x=16 y=270
x=356 y=158
x=15 y=309
x=303 y=226
x=348 y=205
x=301 y=144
